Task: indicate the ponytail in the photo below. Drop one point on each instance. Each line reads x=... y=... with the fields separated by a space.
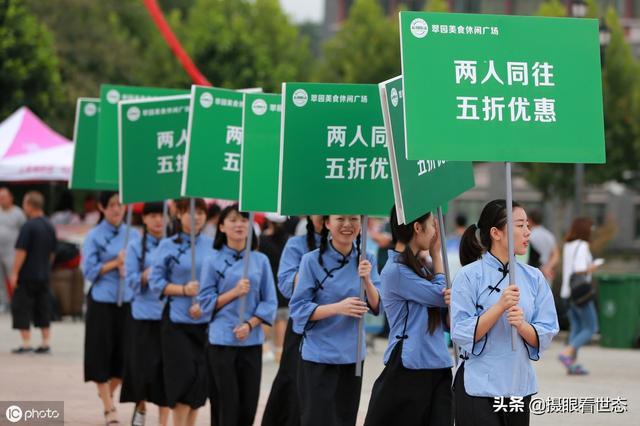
x=494 y=215
x=144 y=247
x=311 y=234
x=324 y=240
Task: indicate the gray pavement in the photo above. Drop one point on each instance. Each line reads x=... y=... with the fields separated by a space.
x=59 y=377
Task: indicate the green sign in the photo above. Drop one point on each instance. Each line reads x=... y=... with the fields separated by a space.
x=110 y=95
x=260 y=153
x=423 y=185
x=153 y=138
x=333 y=151
x=215 y=138
x=502 y=88
x=85 y=139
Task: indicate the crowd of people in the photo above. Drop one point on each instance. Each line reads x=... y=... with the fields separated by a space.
x=175 y=325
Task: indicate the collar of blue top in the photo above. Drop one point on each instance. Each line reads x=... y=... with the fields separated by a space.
x=109 y=227
x=237 y=255
x=335 y=255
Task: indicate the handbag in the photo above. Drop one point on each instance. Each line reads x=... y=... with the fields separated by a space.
x=581 y=288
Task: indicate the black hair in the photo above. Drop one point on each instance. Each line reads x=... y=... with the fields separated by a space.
x=311 y=234
x=103 y=201
x=182 y=206
x=221 y=237
x=148 y=208
x=324 y=241
x=494 y=215
x=461 y=220
x=404 y=234
x=213 y=211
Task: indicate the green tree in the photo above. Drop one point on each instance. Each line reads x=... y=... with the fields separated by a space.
x=552 y=8
x=620 y=101
x=366 y=49
x=242 y=43
x=437 y=6
x=28 y=65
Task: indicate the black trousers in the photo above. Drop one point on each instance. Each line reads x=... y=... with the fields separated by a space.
x=480 y=411
x=329 y=394
x=105 y=340
x=408 y=397
x=235 y=372
x=31 y=303
x=283 y=408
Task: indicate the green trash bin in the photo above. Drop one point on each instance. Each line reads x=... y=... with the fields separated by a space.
x=619 y=310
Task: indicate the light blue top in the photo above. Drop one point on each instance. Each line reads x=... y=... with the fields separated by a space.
x=332 y=340
x=292 y=254
x=492 y=369
x=147 y=303
x=103 y=244
x=406 y=298
x=221 y=272
x=172 y=264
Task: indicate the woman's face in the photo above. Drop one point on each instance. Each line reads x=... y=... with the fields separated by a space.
x=235 y=226
x=521 y=233
x=153 y=222
x=424 y=233
x=185 y=220
x=114 y=211
x=343 y=228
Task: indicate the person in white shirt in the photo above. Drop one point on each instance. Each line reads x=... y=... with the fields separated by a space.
x=583 y=320
x=544 y=253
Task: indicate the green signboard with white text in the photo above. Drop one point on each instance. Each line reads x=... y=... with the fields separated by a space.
x=423 y=185
x=502 y=88
x=85 y=140
x=260 y=153
x=107 y=152
x=333 y=151
x=215 y=138
x=153 y=138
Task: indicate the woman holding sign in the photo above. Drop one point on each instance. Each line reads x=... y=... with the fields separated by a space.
x=415 y=386
x=143 y=378
x=325 y=308
x=494 y=384
x=183 y=325
x=103 y=265
x=282 y=407
x=234 y=352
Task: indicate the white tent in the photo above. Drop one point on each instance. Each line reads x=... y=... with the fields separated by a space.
x=31 y=150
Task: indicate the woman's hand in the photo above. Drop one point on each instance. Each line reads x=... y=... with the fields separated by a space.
x=191 y=288
x=242 y=331
x=194 y=311
x=351 y=307
x=510 y=297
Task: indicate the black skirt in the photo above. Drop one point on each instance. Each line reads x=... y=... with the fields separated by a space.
x=480 y=411
x=406 y=396
x=184 y=362
x=282 y=407
x=142 y=378
x=329 y=394
x=236 y=372
x=105 y=339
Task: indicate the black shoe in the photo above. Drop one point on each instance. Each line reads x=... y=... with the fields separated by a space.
x=21 y=350
x=43 y=350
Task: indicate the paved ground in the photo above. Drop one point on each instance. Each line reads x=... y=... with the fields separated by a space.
x=55 y=377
